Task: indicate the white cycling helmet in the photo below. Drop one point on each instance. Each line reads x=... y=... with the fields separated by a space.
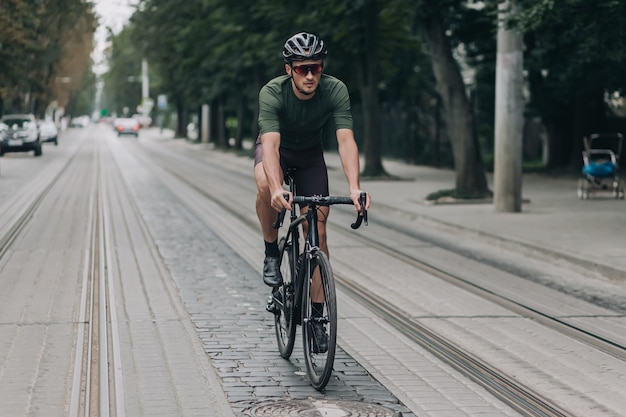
x=303 y=46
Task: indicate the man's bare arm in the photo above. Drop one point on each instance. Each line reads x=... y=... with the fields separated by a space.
x=349 y=155
x=270 y=143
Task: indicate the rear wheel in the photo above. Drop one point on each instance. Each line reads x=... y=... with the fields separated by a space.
x=319 y=362
x=284 y=296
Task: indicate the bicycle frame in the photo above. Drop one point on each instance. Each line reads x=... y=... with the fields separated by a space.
x=302 y=267
x=292 y=303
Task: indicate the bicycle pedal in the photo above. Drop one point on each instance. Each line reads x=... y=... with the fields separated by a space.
x=272 y=309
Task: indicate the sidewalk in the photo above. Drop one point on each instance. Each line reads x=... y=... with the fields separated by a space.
x=553 y=219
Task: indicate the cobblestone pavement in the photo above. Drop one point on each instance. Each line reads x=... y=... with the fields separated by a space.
x=226 y=299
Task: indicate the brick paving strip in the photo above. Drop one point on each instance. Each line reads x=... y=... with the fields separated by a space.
x=225 y=298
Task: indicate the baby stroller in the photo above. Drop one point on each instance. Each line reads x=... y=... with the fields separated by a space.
x=600 y=158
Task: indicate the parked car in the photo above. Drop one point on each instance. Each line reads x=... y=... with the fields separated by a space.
x=22 y=134
x=3 y=131
x=48 y=132
x=126 y=126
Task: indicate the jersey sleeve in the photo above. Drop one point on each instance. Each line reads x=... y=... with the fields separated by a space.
x=268 y=110
x=342 y=112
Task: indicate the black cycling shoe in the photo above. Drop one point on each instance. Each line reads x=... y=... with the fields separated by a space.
x=320 y=338
x=271 y=272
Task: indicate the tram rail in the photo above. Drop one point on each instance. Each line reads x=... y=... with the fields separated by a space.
x=97 y=355
x=587 y=336
x=515 y=394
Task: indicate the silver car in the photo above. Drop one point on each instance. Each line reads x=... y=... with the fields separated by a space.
x=21 y=135
x=48 y=132
x=126 y=126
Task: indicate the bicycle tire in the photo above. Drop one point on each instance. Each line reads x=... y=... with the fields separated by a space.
x=319 y=365
x=285 y=319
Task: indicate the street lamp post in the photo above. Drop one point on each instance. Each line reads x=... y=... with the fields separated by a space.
x=58 y=105
x=146 y=104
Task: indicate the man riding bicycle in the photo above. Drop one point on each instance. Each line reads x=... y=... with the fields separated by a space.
x=293 y=110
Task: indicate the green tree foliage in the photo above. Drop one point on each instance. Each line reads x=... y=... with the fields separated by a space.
x=122 y=92
x=459 y=115
x=45 y=49
x=575 y=54
x=220 y=52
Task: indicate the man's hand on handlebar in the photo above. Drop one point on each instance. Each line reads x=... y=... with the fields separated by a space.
x=361 y=205
x=278 y=200
x=355 y=196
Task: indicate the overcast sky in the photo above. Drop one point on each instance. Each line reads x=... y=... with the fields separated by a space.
x=113 y=14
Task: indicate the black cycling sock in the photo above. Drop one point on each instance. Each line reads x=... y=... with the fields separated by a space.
x=317 y=309
x=271 y=249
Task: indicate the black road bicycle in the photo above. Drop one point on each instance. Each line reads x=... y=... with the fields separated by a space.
x=291 y=304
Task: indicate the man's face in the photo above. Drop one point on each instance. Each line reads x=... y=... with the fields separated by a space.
x=306 y=75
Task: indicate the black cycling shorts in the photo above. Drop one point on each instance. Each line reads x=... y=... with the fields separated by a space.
x=311 y=173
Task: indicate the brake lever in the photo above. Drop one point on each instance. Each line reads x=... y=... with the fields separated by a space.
x=279 y=220
x=361 y=217
x=281 y=216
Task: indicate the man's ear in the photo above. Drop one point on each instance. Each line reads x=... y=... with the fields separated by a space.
x=288 y=69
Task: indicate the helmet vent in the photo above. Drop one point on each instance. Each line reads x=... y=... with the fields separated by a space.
x=303 y=46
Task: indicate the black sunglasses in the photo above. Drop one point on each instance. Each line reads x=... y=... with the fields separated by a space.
x=304 y=69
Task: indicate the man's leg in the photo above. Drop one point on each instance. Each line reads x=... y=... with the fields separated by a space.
x=267 y=216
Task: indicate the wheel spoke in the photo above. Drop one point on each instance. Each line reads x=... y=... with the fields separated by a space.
x=319 y=360
x=283 y=301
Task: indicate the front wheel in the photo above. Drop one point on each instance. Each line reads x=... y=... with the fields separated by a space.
x=284 y=297
x=319 y=324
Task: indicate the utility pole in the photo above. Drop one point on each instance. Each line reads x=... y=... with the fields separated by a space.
x=146 y=102
x=509 y=114
x=145 y=84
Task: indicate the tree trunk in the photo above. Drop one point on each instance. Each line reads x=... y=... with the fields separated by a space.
x=241 y=103
x=222 y=141
x=368 y=77
x=471 y=180
x=181 y=118
x=509 y=122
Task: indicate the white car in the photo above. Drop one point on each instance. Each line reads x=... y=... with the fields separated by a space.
x=126 y=126
x=48 y=132
x=21 y=135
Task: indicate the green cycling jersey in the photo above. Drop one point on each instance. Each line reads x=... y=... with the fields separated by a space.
x=301 y=122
